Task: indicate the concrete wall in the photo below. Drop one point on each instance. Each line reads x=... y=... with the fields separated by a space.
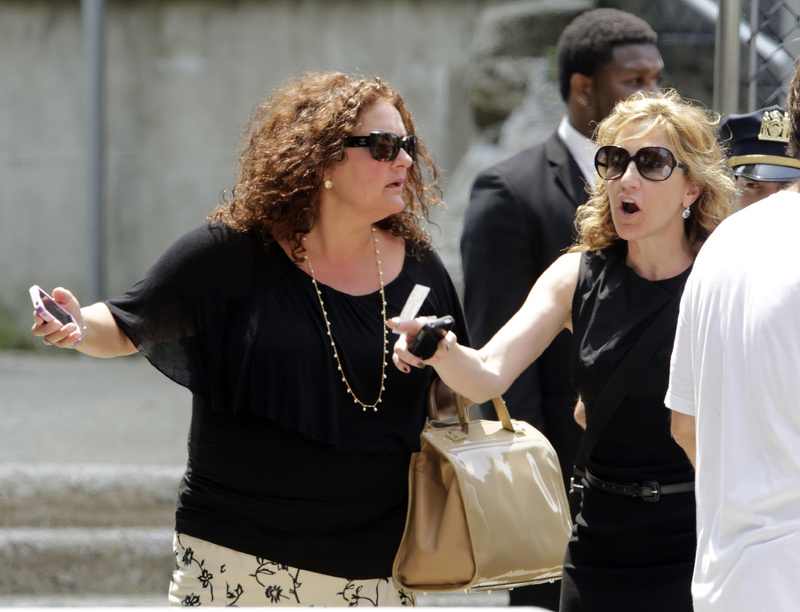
x=182 y=78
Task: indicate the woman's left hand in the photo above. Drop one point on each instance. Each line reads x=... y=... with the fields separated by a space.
x=402 y=358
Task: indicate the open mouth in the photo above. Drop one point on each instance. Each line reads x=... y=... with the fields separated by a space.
x=398 y=183
x=629 y=207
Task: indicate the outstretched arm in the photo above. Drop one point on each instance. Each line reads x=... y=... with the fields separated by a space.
x=100 y=336
x=483 y=374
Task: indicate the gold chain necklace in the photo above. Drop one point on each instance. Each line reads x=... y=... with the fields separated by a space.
x=330 y=335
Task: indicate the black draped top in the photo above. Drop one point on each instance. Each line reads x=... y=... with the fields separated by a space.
x=282 y=463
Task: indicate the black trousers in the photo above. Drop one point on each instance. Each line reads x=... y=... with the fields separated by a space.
x=544 y=595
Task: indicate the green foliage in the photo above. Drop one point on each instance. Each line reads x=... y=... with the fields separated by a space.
x=13 y=336
x=551 y=53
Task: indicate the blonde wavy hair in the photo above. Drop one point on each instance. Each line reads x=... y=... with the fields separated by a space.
x=294 y=137
x=793 y=108
x=692 y=133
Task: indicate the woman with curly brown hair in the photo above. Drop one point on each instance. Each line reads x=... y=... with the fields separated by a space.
x=665 y=187
x=273 y=314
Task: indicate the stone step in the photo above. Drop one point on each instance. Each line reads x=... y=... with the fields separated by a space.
x=99 y=603
x=80 y=561
x=88 y=495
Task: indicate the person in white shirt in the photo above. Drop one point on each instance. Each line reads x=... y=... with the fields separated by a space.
x=733 y=394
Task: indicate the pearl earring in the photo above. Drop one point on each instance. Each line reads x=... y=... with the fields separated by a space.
x=686 y=212
x=328 y=184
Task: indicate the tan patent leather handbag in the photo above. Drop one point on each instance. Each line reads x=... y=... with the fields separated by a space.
x=487 y=507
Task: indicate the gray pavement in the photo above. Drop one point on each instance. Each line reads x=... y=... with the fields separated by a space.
x=64 y=407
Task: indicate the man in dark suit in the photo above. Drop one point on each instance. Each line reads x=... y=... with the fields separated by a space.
x=521 y=213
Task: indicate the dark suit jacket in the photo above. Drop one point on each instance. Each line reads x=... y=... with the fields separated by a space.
x=520 y=219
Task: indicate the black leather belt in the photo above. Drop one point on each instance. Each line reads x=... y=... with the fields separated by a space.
x=649 y=490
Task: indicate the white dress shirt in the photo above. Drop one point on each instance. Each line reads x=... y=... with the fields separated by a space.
x=581 y=148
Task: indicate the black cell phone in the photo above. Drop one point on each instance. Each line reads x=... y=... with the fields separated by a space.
x=427 y=339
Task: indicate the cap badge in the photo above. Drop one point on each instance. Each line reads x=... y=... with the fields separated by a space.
x=775 y=126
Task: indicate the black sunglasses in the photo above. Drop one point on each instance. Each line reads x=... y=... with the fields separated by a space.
x=653 y=163
x=385 y=146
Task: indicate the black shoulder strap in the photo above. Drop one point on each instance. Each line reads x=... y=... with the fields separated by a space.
x=623 y=378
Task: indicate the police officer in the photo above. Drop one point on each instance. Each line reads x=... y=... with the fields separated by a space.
x=757 y=148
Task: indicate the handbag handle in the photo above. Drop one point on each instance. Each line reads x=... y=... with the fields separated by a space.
x=463 y=414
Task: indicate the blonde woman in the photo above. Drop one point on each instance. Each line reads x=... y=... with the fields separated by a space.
x=665 y=187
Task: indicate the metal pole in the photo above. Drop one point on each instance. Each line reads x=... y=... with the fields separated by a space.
x=752 y=87
x=94 y=81
x=726 y=58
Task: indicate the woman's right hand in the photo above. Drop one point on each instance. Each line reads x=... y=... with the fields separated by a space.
x=402 y=357
x=56 y=333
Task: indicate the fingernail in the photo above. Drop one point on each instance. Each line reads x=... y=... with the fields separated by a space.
x=421 y=365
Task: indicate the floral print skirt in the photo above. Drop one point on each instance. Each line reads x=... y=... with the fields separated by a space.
x=210 y=575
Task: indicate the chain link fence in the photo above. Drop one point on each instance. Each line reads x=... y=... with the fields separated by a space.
x=769 y=42
x=770 y=36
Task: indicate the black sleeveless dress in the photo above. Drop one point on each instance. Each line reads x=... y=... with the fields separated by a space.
x=626 y=553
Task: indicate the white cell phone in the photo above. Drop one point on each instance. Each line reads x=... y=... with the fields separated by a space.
x=46 y=307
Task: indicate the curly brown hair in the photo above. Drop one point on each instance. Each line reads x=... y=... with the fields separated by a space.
x=293 y=137
x=692 y=132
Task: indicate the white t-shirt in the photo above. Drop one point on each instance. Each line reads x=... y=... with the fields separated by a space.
x=736 y=367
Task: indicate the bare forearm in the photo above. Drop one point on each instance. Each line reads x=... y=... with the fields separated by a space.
x=103 y=337
x=464 y=371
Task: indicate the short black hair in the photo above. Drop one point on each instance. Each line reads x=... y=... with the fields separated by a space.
x=588 y=41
